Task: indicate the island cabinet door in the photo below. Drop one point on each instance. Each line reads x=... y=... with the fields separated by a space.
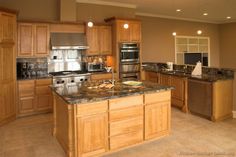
x=92 y=135
x=157 y=115
x=92 y=128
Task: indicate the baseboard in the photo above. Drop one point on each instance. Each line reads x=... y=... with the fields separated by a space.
x=234 y=114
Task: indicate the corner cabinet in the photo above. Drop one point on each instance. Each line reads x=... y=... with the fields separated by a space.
x=130 y=34
x=33 y=39
x=99 y=40
x=7 y=66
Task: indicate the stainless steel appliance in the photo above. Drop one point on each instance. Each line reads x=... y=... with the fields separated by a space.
x=129 y=61
x=200 y=97
x=69 y=77
x=129 y=52
x=95 y=67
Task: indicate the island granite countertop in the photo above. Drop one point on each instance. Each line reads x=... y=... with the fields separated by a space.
x=91 y=92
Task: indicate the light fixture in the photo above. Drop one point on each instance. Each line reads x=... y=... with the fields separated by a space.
x=174 y=33
x=126 y=26
x=199 y=32
x=228 y=17
x=178 y=10
x=90 y=24
x=205 y=14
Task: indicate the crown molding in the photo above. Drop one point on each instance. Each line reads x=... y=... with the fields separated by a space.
x=172 y=17
x=101 y=2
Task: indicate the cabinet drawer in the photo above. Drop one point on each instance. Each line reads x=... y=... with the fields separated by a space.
x=126 y=102
x=42 y=90
x=26 y=88
x=43 y=82
x=101 y=76
x=126 y=139
x=92 y=108
x=126 y=126
x=122 y=114
x=157 y=97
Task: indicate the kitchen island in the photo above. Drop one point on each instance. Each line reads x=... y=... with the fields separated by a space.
x=91 y=119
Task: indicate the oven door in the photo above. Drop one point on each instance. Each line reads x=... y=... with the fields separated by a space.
x=129 y=76
x=129 y=55
x=129 y=67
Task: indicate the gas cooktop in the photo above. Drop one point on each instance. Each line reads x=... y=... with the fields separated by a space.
x=66 y=73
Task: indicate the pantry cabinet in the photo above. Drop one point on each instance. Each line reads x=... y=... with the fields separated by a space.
x=99 y=40
x=7 y=66
x=33 y=39
x=34 y=96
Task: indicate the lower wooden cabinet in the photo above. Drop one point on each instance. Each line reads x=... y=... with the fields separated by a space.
x=34 y=96
x=152 y=76
x=126 y=121
x=92 y=129
x=157 y=105
x=103 y=76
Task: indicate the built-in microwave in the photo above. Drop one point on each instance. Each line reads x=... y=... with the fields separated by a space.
x=95 y=67
x=129 y=52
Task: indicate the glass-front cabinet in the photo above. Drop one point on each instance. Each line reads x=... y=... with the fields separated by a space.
x=191 y=49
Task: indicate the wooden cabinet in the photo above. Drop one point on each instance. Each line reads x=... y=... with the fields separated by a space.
x=92 y=129
x=103 y=76
x=7 y=66
x=152 y=76
x=130 y=34
x=157 y=115
x=99 y=40
x=34 y=96
x=179 y=93
x=33 y=39
x=126 y=121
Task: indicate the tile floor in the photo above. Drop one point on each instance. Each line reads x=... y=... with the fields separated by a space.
x=191 y=136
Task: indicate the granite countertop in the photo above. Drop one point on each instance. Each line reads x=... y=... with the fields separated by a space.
x=204 y=77
x=90 y=92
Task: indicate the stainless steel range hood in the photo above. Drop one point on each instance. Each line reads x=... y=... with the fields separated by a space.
x=68 y=41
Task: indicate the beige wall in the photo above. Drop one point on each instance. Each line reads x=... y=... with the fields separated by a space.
x=34 y=9
x=158 y=42
x=67 y=10
x=98 y=13
x=228 y=50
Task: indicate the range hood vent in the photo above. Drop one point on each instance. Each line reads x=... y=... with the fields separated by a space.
x=68 y=41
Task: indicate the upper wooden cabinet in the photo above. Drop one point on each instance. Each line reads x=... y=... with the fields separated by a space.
x=99 y=40
x=130 y=34
x=33 y=39
x=8 y=27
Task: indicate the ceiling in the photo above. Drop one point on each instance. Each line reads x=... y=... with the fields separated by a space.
x=191 y=10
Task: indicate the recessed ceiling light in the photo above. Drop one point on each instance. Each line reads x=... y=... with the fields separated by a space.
x=205 y=14
x=126 y=26
x=228 y=17
x=199 y=32
x=174 y=33
x=90 y=24
x=178 y=10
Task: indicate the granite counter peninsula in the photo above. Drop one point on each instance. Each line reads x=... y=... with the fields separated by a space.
x=91 y=120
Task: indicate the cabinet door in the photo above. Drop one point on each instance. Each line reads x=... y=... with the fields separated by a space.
x=92 y=134
x=178 y=93
x=157 y=119
x=151 y=76
x=135 y=32
x=107 y=76
x=105 y=40
x=43 y=98
x=92 y=34
x=41 y=40
x=25 y=40
x=123 y=34
x=8 y=27
x=165 y=79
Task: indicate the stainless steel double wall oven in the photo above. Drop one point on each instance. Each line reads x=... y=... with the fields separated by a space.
x=129 y=61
